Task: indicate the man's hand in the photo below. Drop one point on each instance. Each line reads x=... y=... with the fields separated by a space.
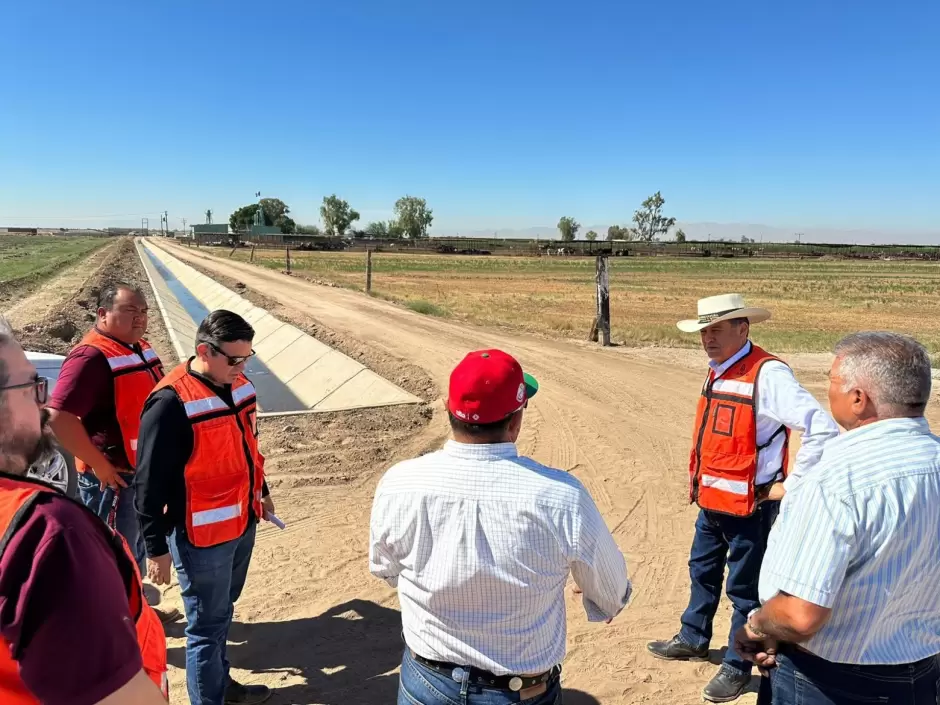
x=760 y=650
x=158 y=569
x=267 y=504
x=108 y=476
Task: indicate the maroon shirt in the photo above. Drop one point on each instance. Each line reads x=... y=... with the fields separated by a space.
x=63 y=607
x=85 y=388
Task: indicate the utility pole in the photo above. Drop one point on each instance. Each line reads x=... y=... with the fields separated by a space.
x=185 y=232
x=145 y=226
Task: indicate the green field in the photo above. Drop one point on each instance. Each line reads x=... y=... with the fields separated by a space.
x=25 y=259
x=814 y=302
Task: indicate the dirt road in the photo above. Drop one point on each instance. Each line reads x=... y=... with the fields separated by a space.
x=618 y=419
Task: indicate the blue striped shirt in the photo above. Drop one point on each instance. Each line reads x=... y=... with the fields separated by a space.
x=861 y=535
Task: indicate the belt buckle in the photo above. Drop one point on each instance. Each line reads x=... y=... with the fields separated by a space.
x=515 y=684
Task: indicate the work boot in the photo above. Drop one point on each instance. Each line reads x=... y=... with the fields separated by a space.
x=167 y=615
x=727 y=685
x=238 y=694
x=677 y=650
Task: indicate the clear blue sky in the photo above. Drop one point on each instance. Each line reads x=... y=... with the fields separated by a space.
x=500 y=114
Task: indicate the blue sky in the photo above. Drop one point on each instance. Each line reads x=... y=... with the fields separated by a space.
x=501 y=115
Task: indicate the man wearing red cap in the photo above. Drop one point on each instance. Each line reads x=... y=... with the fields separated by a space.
x=480 y=542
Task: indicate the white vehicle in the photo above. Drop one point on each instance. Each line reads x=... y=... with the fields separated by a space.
x=56 y=468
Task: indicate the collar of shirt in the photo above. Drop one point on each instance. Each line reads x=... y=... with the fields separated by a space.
x=912 y=425
x=481 y=451
x=719 y=368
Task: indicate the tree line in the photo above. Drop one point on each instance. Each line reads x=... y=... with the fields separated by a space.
x=648 y=224
x=412 y=219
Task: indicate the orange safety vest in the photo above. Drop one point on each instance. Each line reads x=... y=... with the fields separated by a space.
x=134 y=378
x=226 y=470
x=723 y=462
x=17 y=496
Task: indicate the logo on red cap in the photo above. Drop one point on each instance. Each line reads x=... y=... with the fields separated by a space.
x=487 y=386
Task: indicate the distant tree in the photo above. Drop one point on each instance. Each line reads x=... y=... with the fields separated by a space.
x=395 y=230
x=377 y=230
x=413 y=216
x=286 y=224
x=617 y=232
x=591 y=236
x=274 y=209
x=337 y=216
x=680 y=235
x=568 y=227
x=308 y=230
x=244 y=217
x=650 y=222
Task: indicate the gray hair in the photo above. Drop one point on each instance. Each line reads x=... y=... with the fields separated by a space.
x=893 y=369
x=6 y=337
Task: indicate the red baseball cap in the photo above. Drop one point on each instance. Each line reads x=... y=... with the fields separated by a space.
x=487 y=386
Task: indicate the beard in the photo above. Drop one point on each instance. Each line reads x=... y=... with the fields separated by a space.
x=19 y=451
x=46 y=442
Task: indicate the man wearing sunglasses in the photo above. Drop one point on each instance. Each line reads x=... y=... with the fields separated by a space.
x=70 y=594
x=201 y=492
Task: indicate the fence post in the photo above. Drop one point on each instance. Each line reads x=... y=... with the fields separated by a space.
x=602 y=320
x=251 y=257
x=288 y=260
x=369 y=270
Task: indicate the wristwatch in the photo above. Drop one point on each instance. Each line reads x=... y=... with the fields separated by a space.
x=750 y=625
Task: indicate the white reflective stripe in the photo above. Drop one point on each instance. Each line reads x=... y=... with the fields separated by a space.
x=732 y=386
x=204 y=406
x=133 y=444
x=214 y=516
x=150 y=354
x=118 y=363
x=246 y=390
x=725 y=485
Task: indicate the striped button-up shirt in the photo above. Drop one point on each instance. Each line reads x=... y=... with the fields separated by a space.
x=782 y=401
x=480 y=542
x=860 y=535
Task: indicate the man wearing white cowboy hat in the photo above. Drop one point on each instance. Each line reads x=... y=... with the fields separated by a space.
x=737 y=474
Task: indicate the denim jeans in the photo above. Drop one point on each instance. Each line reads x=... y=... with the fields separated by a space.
x=740 y=543
x=801 y=678
x=125 y=522
x=420 y=685
x=211 y=580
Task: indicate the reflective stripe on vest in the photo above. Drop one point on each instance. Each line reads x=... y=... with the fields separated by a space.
x=17 y=496
x=134 y=378
x=224 y=474
x=724 y=459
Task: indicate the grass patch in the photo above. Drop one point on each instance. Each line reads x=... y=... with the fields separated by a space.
x=427 y=308
x=25 y=258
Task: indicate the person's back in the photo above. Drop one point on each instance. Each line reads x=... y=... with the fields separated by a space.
x=484 y=540
x=480 y=542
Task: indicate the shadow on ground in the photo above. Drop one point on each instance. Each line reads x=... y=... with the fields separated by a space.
x=348 y=656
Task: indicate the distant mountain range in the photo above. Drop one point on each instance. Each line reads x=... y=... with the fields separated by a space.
x=727 y=231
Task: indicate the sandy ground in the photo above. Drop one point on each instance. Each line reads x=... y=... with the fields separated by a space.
x=313 y=624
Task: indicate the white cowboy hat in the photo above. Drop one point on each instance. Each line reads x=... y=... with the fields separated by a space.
x=719 y=308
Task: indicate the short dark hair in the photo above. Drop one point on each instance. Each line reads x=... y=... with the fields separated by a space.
x=223 y=326
x=492 y=432
x=739 y=321
x=109 y=292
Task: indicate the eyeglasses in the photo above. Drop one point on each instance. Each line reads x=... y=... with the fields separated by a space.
x=40 y=385
x=231 y=359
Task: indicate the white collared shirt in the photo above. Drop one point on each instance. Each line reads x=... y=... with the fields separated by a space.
x=480 y=542
x=782 y=401
x=860 y=535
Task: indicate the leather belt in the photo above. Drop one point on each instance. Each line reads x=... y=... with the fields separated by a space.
x=484 y=678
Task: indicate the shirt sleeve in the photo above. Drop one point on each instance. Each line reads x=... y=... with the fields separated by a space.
x=84 y=379
x=164 y=445
x=810 y=546
x=64 y=609
x=383 y=562
x=783 y=399
x=598 y=567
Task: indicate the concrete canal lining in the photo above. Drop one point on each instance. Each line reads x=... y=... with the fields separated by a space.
x=293 y=372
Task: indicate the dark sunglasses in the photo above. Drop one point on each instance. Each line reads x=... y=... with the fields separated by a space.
x=232 y=359
x=40 y=385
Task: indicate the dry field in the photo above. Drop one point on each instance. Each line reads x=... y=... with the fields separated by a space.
x=813 y=302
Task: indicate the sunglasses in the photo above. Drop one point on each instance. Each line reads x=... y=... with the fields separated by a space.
x=40 y=386
x=232 y=359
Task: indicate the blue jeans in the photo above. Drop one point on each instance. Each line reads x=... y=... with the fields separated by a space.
x=740 y=543
x=420 y=685
x=801 y=678
x=211 y=580
x=126 y=524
